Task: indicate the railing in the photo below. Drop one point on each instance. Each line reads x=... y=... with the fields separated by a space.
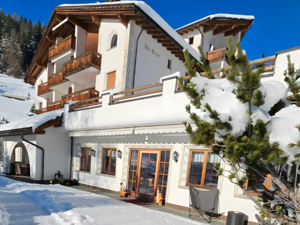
x=82 y=62
x=56 y=78
x=216 y=55
x=62 y=46
x=119 y=96
x=43 y=88
x=80 y=95
x=54 y=106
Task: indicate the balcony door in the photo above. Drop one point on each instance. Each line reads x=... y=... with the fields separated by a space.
x=148 y=172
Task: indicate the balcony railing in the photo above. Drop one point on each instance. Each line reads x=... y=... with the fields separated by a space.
x=56 y=78
x=51 y=107
x=62 y=46
x=216 y=55
x=82 y=62
x=80 y=95
x=43 y=88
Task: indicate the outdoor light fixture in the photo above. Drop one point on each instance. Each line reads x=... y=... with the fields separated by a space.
x=93 y=152
x=119 y=154
x=175 y=156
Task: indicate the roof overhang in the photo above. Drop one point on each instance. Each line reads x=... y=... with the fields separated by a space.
x=57 y=122
x=229 y=24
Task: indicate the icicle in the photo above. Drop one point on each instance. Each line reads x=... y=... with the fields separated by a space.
x=296 y=175
x=278 y=169
x=281 y=171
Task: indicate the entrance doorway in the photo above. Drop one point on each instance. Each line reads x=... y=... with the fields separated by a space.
x=148 y=172
x=19 y=161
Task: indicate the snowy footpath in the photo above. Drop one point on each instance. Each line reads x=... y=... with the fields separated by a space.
x=22 y=203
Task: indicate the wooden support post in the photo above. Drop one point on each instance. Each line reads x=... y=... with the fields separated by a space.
x=96 y=20
x=123 y=20
x=40 y=64
x=75 y=21
x=51 y=38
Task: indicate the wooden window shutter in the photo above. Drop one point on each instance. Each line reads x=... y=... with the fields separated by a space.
x=111 y=80
x=91 y=42
x=268 y=183
x=41 y=105
x=70 y=90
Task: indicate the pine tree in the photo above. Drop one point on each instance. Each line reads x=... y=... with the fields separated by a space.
x=32 y=110
x=253 y=147
x=290 y=79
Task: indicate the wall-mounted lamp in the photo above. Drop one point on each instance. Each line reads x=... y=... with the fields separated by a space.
x=119 y=154
x=175 y=156
x=93 y=152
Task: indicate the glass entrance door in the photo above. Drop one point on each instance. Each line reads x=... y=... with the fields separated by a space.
x=148 y=172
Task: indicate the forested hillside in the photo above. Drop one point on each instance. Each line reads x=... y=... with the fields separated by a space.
x=19 y=39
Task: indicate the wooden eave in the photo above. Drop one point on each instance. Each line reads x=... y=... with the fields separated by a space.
x=57 y=122
x=217 y=25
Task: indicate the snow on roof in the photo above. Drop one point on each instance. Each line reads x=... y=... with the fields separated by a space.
x=33 y=121
x=151 y=13
x=220 y=16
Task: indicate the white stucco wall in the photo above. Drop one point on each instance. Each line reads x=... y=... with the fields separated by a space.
x=219 y=41
x=56 y=144
x=112 y=58
x=281 y=65
x=80 y=35
x=152 y=60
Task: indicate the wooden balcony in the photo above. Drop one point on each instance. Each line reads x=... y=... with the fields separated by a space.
x=217 y=55
x=80 y=95
x=51 y=107
x=56 y=78
x=62 y=46
x=89 y=59
x=43 y=88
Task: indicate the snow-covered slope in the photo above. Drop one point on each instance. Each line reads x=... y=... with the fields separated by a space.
x=12 y=109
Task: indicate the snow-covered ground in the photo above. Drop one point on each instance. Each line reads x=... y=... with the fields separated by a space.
x=23 y=204
x=12 y=109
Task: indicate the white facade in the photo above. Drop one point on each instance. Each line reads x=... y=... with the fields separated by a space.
x=56 y=145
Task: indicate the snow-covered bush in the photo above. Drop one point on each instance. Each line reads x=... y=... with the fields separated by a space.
x=251 y=126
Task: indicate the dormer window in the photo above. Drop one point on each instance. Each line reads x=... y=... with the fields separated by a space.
x=191 y=40
x=114 y=41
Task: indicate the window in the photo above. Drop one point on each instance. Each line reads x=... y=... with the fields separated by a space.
x=18 y=154
x=191 y=40
x=114 y=41
x=201 y=171
x=133 y=170
x=163 y=172
x=111 y=80
x=254 y=187
x=85 y=159
x=169 y=63
x=109 y=161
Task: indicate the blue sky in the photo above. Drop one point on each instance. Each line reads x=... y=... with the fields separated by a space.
x=276 y=25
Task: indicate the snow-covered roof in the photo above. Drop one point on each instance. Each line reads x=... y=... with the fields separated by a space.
x=219 y=16
x=33 y=121
x=151 y=13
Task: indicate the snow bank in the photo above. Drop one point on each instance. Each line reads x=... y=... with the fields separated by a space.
x=156 y=17
x=33 y=121
x=282 y=129
x=13 y=86
x=22 y=203
x=218 y=94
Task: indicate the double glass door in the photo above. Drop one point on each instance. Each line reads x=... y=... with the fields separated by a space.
x=148 y=173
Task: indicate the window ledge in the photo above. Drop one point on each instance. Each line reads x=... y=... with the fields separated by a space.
x=112 y=48
x=82 y=171
x=106 y=175
x=244 y=196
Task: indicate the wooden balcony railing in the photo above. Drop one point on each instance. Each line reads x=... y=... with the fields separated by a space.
x=51 y=107
x=80 y=95
x=82 y=62
x=56 y=78
x=43 y=88
x=62 y=46
x=216 y=55
x=120 y=96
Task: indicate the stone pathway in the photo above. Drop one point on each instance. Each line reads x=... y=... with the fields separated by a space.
x=149 y=205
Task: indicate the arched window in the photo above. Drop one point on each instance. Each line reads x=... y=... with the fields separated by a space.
x=114 y=41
